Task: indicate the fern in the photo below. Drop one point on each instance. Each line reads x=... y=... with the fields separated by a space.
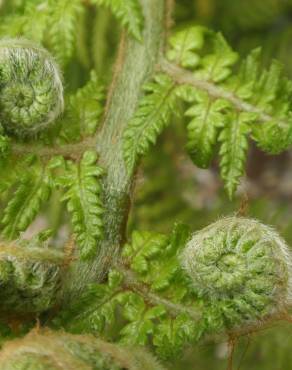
x=152 y=116
x=83 y=201
x=128 y=12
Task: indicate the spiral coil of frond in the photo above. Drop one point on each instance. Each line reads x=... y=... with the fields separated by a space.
x=47 y=350
x=242 y=265
x=31 y=91
x=30 y=278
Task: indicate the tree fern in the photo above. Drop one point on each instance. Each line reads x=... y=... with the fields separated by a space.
x=83 y=201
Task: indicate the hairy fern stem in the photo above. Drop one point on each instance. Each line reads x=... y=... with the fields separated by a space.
x=135 y=63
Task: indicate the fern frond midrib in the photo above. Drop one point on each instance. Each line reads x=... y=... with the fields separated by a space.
x=131 y=283
x=184 y=77
x=155 y=112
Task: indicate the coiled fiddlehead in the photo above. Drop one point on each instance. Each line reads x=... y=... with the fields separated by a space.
x=31 y=91
x=30 y=278
x=242 y=266
x=49 y=350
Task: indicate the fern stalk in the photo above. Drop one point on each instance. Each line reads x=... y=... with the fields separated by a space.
x=135 y=63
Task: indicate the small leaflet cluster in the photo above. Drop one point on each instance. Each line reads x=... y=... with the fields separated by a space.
x=150 y=268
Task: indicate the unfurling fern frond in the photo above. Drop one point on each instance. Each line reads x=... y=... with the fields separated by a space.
x=31 y=95
x=30 y=276
x=152 y=116
x=128 y=12
x=45 y=349
x=83 y=201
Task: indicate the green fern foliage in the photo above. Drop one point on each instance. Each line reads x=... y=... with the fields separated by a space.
x=152 y=116
x=207 y=117
x=81 y=182
x=228 y=102
x=128 y=12
x=32 y=189
x=149 y=289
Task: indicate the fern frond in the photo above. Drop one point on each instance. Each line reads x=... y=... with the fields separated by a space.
x=83 y=201
x=62 y=27
x=151 y=118
x=215 y=87
x=33 y=189
x=128 y=12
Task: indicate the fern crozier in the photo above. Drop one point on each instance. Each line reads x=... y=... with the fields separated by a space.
x=31 y=91
x=48 y=350
x=241 y=265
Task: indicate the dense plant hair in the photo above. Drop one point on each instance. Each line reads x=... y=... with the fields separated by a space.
x=240 y=263
x=59 y=350
x=31 y=96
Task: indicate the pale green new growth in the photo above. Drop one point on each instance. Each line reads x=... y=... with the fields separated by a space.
x=241 y=265
x=31 y=94
x=30 y=277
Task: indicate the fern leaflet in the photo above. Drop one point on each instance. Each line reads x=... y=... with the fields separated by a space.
x=152 y=116
x=83 y=201
x=33 y=189
x=128 y=12
x=62 y=22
